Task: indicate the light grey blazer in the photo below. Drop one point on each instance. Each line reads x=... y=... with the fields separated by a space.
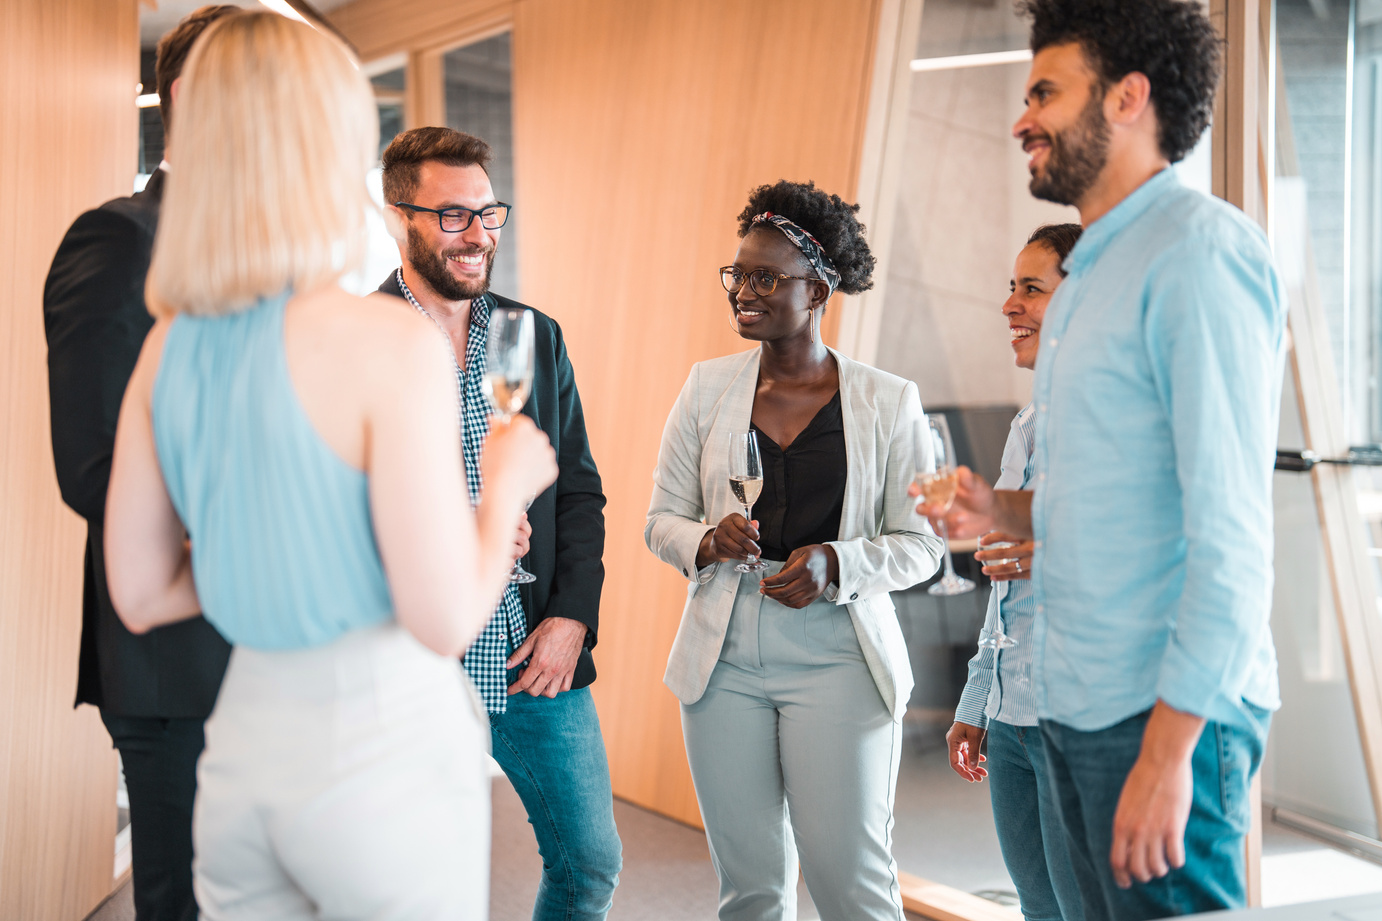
x=884 y=545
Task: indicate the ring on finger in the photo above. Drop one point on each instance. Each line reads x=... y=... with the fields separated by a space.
x=1019 y=565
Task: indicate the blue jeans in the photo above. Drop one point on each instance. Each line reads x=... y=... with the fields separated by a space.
x=1029 y=827
x=1088 y=770
x=552 y=751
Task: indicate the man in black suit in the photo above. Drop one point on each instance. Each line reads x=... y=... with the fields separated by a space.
x=532 y=663
x=154 y=691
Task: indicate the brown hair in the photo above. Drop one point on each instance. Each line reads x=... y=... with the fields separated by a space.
x=174 y=47
x=1059 y=239
x=404 y=156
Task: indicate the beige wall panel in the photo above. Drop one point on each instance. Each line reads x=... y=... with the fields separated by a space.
x=68 y=70
x=640 y=126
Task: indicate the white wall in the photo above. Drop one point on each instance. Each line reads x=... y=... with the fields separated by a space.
x=964 y=212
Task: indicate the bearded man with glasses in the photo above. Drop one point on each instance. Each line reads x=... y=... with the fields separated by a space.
x=532 y=664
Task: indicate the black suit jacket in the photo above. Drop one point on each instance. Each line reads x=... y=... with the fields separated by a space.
x=568 y=520
x=96 y=321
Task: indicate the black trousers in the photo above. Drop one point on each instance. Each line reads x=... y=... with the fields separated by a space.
x=160 y=761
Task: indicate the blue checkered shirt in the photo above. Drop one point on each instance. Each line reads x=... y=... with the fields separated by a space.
x=508 y=628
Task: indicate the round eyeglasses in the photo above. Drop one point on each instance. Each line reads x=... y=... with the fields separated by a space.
x=457 y=218
x=761 y=281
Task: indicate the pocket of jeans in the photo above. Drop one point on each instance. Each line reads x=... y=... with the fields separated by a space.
x=1238 y=752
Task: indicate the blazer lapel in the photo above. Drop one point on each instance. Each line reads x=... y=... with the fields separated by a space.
x=858 y=425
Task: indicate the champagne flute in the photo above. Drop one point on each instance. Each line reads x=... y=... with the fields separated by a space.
x=937 y=479
x=746 y=482
x=509 y=379
x=997 y=639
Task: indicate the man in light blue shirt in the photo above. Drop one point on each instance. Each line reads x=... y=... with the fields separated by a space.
x=1157 y=393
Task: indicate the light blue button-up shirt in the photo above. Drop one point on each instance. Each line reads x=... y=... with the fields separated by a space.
x=1157 y=391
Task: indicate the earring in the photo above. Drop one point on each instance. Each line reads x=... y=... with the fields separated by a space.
x=812 y=312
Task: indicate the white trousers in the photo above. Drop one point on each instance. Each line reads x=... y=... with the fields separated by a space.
x=342 y=782
x=794 y=753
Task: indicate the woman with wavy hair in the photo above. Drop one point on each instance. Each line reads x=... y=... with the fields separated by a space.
x=287 y=463
x=793 y=679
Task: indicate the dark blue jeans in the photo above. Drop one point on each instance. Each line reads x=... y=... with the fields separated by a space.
x=1088 y=770
x=1027 y=816
x=552 y=751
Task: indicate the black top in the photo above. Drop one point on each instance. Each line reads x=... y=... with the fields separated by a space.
x=95 y=318
x=568 y=519
x=804 y=486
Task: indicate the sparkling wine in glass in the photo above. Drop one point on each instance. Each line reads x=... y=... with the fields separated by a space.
x=509 y=378
x=937 y=480
x=746 y=482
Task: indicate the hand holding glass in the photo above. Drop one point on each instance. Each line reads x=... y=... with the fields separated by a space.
x=746 y=482
x=937 y=480
x=509 y=377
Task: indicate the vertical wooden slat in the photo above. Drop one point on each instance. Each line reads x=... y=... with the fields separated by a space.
x=424 y=94
x=68 y=70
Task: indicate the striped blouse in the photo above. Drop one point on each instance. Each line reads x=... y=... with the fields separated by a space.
x=1012 y=698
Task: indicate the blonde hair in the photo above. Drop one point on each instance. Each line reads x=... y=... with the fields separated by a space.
x=276 y=129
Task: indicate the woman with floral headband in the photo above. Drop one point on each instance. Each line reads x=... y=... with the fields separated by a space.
x=793 y=679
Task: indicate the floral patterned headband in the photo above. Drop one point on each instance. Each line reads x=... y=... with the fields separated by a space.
x=810 y=247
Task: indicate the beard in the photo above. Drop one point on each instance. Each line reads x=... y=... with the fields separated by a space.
x=1078 y=155
x=431 y=268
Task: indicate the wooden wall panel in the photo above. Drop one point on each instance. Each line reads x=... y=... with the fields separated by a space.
x=68 y=70
x=639 y=128
x=378 y=28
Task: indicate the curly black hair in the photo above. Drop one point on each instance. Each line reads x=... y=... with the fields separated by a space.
x=828 y=218
x=1172 y=42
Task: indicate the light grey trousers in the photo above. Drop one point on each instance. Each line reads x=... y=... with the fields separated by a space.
x=341 y=783
x=795 y=755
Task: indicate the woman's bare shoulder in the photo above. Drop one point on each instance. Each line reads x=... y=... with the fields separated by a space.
x=377 y=328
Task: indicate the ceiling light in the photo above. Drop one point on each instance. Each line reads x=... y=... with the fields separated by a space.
x=955 y=61
x=283 y=8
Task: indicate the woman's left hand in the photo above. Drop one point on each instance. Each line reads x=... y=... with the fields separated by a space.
x=804 y=579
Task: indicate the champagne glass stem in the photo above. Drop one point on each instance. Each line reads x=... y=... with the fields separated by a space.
x=949 y=560
x=748 y=516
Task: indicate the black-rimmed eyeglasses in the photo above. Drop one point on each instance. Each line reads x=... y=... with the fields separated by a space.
x=761 y=281
x=456 y=218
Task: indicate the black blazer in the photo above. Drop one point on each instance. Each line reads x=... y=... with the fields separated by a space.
x=96 y=321
x=568 y=520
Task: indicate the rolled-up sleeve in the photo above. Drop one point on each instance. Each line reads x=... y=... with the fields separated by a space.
x=1215 y=320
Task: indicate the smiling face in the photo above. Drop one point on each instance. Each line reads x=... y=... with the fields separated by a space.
x=784 y=313
x=1036 y=276
x=456 y=266
x=1063 y=130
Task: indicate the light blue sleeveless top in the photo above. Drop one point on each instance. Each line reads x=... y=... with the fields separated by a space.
x=283 y=549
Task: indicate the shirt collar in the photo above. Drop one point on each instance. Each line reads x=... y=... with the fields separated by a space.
x=1100 y=234
x=480 y=307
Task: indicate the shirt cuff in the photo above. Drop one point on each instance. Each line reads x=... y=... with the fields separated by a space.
x=971 y=709
x=1186 y=685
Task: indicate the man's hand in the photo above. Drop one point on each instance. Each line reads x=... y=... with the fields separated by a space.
x=972 y=512
x=804 y=577
x=1019 y=558
x=554 y=647
x=964 y=741
x=521 y=544
x=1149 y=825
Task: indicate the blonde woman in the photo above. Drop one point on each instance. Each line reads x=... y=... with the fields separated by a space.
x=793 y=679
x=286 y=462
